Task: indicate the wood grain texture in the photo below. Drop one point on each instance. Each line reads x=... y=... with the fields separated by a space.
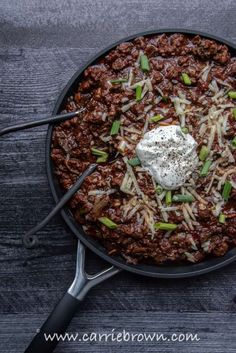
x=41 y=46
x=215 y=336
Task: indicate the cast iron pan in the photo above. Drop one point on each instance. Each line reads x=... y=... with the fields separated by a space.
x=64 y=311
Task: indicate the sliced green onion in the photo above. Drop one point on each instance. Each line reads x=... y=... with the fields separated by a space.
x=205 y=168
x=102 y=155
x=102 y=159
x=138 y=93
x=97 y=152
x=165 y=226
x=82 y=211
x=186 y=79
x=233 y=142
x=222 y=218
x=232 y=94
x=144 y=63
x=159 y=189
x=115 y=127
x=108 y=222
x=165 y=99
x=156 y=118
x=183 y=198
x=226 y=190
x=134 y=161
x=119 y=80
x=203 y=153
x=184 y=130
x=168 y=197
x=234 y=113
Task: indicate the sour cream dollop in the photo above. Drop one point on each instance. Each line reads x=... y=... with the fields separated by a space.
x=169 y=155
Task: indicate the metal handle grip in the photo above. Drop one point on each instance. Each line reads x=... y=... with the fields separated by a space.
x=62 y=314
x=45 y=341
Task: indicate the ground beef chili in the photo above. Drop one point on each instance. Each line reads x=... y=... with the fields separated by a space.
x=204 y=107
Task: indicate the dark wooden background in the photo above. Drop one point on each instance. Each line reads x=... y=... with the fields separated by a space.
x=42 y=43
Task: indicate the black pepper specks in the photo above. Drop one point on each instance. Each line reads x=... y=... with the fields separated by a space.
x=168 y=156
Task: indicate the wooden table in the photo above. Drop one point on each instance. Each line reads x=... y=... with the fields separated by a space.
x=42 y=43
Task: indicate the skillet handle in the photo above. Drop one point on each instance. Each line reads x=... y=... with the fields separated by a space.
x=46 y=339
x=63 y=313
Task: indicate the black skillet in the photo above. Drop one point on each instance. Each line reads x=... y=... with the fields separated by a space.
x=65 y=310
x=146 y=270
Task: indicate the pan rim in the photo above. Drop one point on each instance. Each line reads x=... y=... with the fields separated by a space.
x=177 y=271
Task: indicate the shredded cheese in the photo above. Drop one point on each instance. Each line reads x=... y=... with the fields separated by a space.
x=132 y=176
x=223 y=178
x=101 y=192
x=211 y=137
x=197 y=196
x=187 y=218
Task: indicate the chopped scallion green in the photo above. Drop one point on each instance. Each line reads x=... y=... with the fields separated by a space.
x=115 y=127
x=226 y=190
x=138 y=93
x=156 y=118
x=108 y=222
x=168 y=197
x=159 y=189
x=186 y=79
x=184 y=130
x=97 y=152
x=134 y=161
x=203 y=153
x=222 y=218
x=144 y=63
x=82 y=211
x=165 y=226
x=234 y=113
x=183 y=198
x=232 y=94
x=165 y=99
x=102 y=155
x=102 y=159
x=205 y=168
x=119 y=80
x=233 y=142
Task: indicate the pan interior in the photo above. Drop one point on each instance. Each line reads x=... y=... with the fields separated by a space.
x=164 y=271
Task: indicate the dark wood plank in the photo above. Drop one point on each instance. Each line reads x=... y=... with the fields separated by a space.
x=41 y=46
x=95 y=23
x=215 y=332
